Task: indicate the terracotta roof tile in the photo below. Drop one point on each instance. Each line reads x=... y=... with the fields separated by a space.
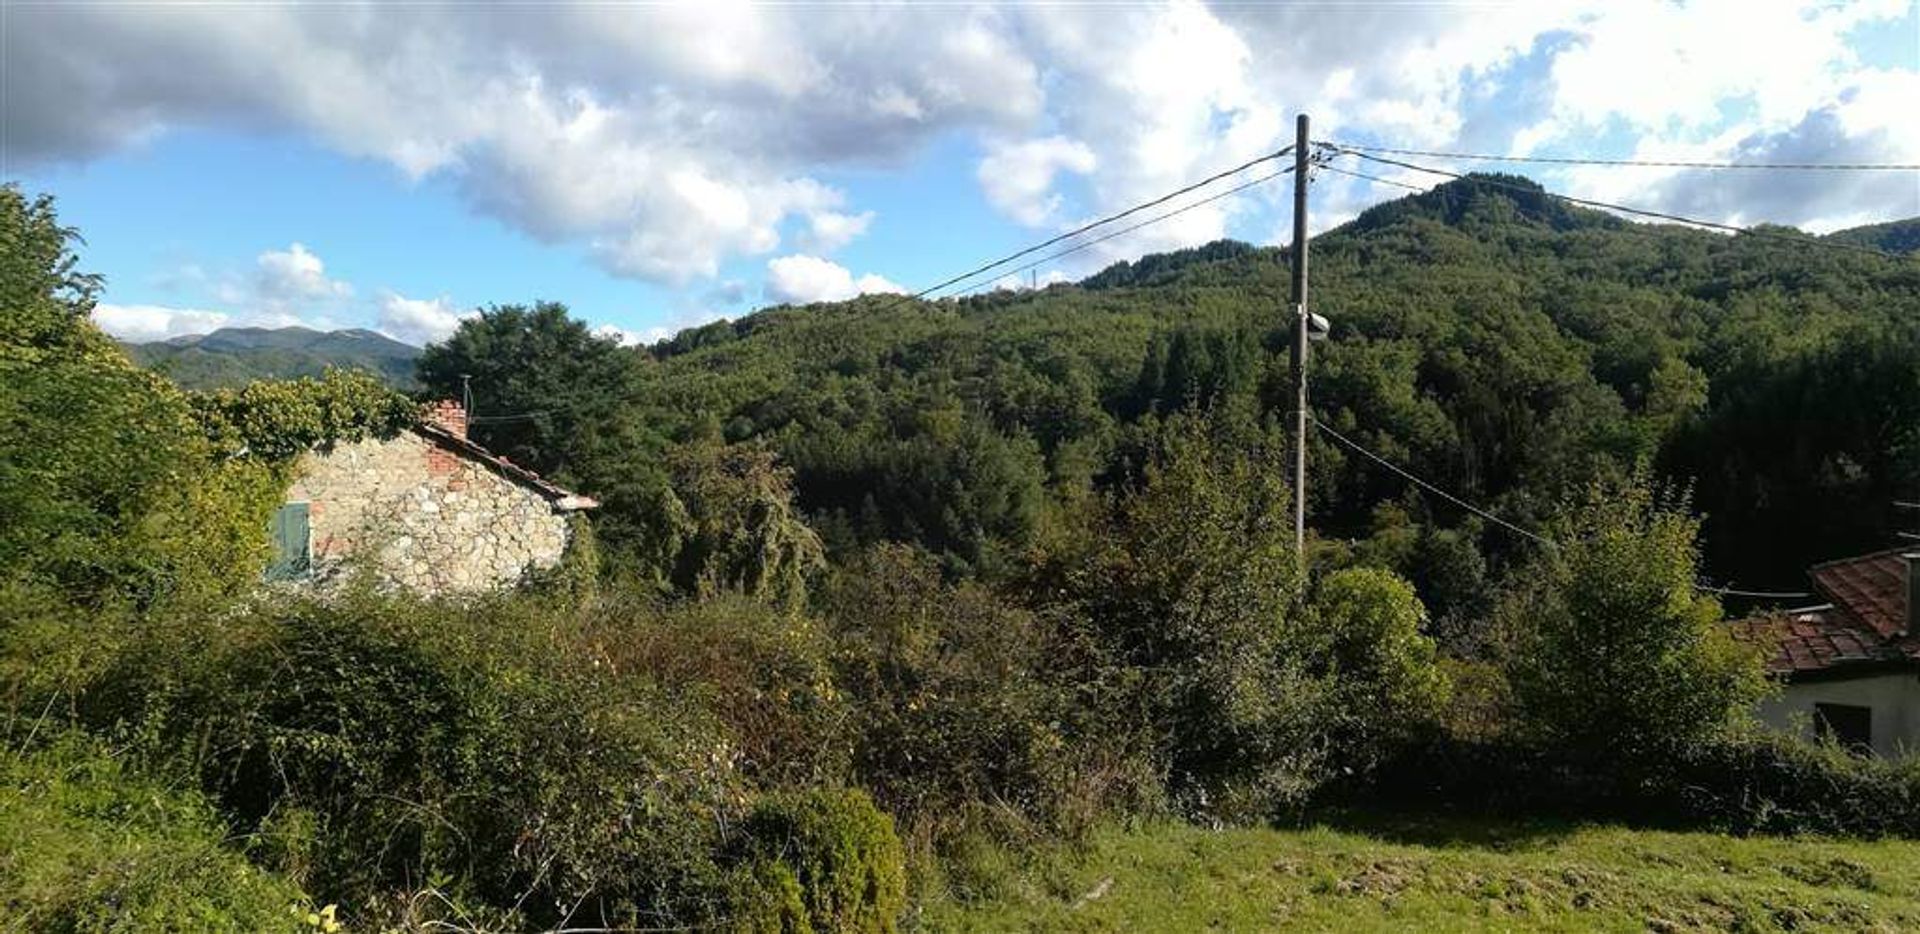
x=1871 y=587
x=1815 y=639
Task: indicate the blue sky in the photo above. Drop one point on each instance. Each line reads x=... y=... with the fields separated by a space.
x=655 y=167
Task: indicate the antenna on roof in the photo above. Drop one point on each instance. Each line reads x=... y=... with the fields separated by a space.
x=466 y=394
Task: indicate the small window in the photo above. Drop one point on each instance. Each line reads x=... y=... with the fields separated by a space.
x=292 y=544
x=1847 y=724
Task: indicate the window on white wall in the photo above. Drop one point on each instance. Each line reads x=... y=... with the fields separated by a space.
x=1849 y=725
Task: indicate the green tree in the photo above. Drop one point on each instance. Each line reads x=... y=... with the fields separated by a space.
x=547 y=392
x=1186 y=586
x=738 y=528
x=1611 y=651
x=109 y=486
x=1386 y=671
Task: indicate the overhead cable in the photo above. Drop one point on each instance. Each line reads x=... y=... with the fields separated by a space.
x=1645 y=163
x=1490 y=517
x=1269 y=157
x=1133 y=227
x=1443 y=494
x=1607 y=206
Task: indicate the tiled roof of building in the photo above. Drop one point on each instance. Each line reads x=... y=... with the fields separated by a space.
x=562 y=499
x=1812 y=639
x=1864 y=625
x=1872 y=587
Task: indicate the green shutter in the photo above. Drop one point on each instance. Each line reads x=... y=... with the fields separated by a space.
x=292 y=549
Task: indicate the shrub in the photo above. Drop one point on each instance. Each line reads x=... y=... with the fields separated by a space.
x=951 y=703
x=87 y=846
x=765 y=673
x=1182 y=604
x=489 y=749
x=1386 y=674
x=822 y=862
x=1611 y=652
x=1758 y=782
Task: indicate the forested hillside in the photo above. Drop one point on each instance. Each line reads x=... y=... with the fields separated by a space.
x=236 y=356
x=1498 y=343
x=883 y=591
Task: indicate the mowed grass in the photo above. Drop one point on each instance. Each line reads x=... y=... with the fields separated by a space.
x=1432 y=875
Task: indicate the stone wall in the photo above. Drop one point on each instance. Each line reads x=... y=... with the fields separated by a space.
x=417 y=514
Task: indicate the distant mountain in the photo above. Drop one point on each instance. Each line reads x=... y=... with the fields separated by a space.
x=1892 y=236
x=234 y=356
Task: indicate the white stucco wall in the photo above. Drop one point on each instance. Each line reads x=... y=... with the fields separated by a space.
x=1893 y=698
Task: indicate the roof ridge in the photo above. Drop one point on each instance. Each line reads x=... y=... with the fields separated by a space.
x=1894 y=550
x=563 y=499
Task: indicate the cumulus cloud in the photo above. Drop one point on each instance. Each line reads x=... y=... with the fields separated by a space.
x=1018 y=177
x=800 y=279
x=418 y=321
x=666 y=141
x=627 y=337
x=142 y=323
x=295 y=277
x=828 y=231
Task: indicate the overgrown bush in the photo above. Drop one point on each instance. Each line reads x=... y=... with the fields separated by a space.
x=90 y=848
x=821 y=862
x=1611 y=651
x=764 y=672
x=1180 y=597
x=951 y=701
x=492 y=750
x=1759 y=782
x=1388 y=680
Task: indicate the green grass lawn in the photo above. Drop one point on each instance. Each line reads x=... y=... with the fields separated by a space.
x=1410 y=875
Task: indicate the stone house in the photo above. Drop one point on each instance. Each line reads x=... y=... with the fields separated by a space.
x=1850 y=667
x=427 y=509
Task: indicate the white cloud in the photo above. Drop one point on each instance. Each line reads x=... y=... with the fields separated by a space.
x=294 y=277
x=1018 y=177
x=418 y=321
x=828 y=231
x=668 y=140
x=800 y=279
x=142 y=323
x=630 y=338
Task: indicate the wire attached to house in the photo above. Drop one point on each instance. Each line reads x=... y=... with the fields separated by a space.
x=1621 y=208
x=1490 y=517
x=1640 y=163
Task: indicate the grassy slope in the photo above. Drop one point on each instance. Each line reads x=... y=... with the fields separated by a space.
x=1447 y=876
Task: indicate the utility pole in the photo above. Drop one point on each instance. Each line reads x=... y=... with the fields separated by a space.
x=1300 y=335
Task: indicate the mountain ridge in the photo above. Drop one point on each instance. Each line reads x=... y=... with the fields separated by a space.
x=234 y=356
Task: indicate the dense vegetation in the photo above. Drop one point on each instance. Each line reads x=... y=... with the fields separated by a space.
x=879 y=586
x=1502 y=345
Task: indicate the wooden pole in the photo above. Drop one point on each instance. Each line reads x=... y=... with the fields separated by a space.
x=1300 y=341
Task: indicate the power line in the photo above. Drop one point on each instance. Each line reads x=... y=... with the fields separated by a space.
x=1130 y=229
x=505 y=418
x=1269 y=157
x=1375 y=178
x=1443 y=494
x=1603 y=205
x=1649 y=163
x=1490 y=517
